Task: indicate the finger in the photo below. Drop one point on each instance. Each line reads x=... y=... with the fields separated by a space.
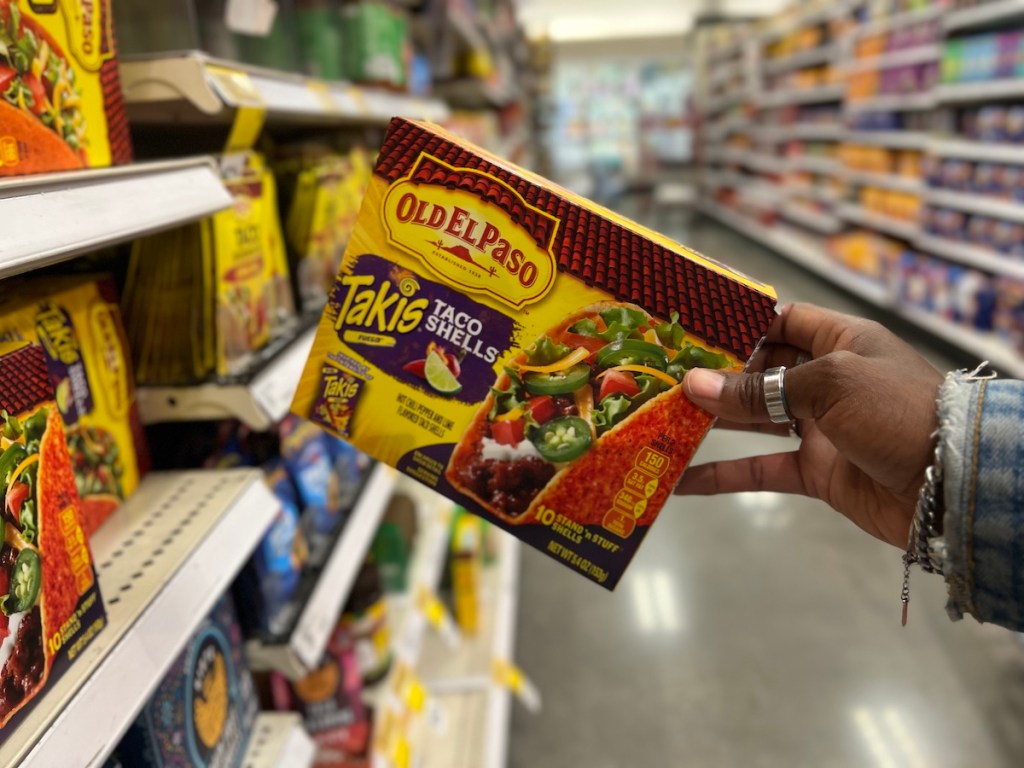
x=772 y=355
x=778 y=472
x=810 y=389
x=820 y=331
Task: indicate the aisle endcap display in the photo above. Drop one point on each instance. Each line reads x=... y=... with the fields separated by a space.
x=193 y=87
x=991 y=13
x=170 y=551
x=53 y=217
x=259 y=403
x=305 y=646
x=279 y=740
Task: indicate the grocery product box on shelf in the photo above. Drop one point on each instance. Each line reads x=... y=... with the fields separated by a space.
x=203 y=710
x=77 y=322
x=61 y=106
x=50 y=605
x=520 y=349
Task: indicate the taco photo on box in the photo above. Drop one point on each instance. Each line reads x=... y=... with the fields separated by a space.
x=48 y=597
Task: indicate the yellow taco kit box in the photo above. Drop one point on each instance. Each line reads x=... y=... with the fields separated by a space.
x=520 y=349
x=61 y=106
x=50 y=606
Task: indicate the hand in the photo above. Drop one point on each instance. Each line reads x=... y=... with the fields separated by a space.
x=865 y=406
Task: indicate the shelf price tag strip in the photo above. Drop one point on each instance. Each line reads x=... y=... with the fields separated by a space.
x=237 y=89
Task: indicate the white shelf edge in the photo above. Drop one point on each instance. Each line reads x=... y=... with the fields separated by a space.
x=809 y=58
x=52 y=217
x=973 y=342
x=279 y=740
x=787 y=96
x=820 y=222
x=812 y=164
x=890 y=226
x=217 y=87
x=894 y=139
x=893 y=103
x=892 y=181
x=964 y=93
x=984 y=205
x=260 y=404
x=981 y=15
x=98 y=698
x=798 y=131
x=971 y=256
x=499 y=710
x=977 y=150
x=305 y=647
x=919 y=54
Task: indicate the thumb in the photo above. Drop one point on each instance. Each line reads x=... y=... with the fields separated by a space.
x=737 y=397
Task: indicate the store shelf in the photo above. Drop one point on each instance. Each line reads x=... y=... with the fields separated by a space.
x=715 y=104
x=986 y=152
x=304 y=648
x=785 y=97
x=812 y=164
x=813 y=191
x=920 y=54
x=807 y=254
x=991 y=14
x=162 y=560
x=971 y=202
x=971 y=256
x=193 y=88
x=279 y=740
x=896 y=21
x=475 y=93
x=477 y=707
x=259 y=402
x=52 y=217
x=812 y=18
x=976 y=344
x=724 y=72
x=810 y=58
x=762 y=163
x=895 y=103
x=804 y=131
x=909 y=184
x=988 y=90
x=819 y=221
x=885 y=224
x=892 y=139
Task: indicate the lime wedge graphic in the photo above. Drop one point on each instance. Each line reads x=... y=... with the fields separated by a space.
x=439 y=376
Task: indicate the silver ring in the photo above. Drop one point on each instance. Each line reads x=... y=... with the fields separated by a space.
x=775 y=396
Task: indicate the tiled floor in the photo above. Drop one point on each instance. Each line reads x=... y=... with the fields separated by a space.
x=761 y=630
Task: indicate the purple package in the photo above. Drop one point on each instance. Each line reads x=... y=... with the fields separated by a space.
x=1014 y=123
x=956 y=175
x=980 y=230
x=1007 y=44
x=991 y=123
x=985 y=179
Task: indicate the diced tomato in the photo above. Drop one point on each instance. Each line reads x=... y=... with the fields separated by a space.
x=6 y=75
x=508 y=432
x=541 y=408
x=618 y=381
x=416 y=367
x=453 y=364
x=38 y=94
x=16 y=496
x=591 y=343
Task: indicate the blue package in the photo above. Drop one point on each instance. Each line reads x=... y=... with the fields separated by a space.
x=350 y=466
x=204 y=709
x=309 y=457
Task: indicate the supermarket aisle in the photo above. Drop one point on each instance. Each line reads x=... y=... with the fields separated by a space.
x=760 y=630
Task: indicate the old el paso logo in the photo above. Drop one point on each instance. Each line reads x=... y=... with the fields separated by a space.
x=469 y=242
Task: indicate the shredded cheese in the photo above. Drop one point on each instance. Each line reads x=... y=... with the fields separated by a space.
x=515 y=413
x=642 y=369
x=585 y=405
x=28 y=462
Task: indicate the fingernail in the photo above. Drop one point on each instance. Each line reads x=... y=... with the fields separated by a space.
x=704 y=384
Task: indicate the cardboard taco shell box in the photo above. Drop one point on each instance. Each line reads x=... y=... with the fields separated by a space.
x=61 y=106
x=520 y=349
x=50 y=606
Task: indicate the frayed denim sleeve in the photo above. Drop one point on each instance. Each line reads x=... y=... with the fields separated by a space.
x=981 y=436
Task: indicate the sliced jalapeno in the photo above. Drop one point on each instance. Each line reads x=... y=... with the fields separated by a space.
x=560 y=383
x=562 y=439
x=632 y=352
x=26 y=578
